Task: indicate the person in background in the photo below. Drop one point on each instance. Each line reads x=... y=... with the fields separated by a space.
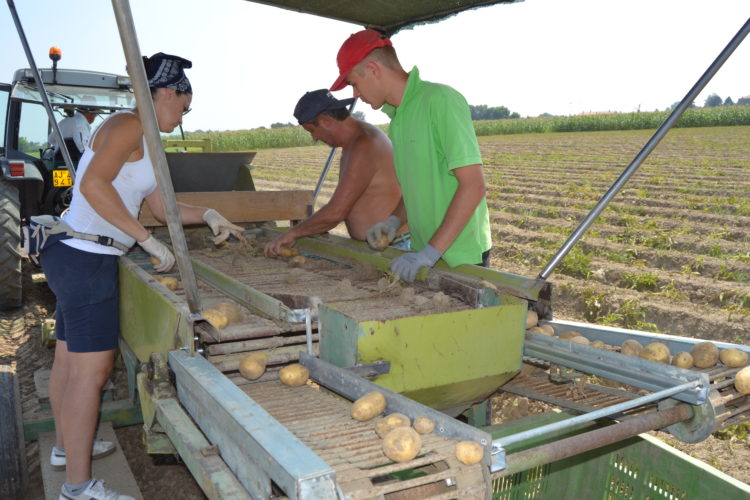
x=75 y=129
x=367 y=190
x=436 y=156
x=115 y=175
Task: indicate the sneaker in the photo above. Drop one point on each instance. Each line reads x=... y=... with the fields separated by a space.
x=94 y=491
x=98 y=450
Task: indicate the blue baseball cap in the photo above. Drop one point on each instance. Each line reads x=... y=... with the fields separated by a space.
x=315 y=102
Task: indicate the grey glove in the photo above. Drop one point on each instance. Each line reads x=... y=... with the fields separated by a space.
x=408 y=265
x=157 y=249
x=387 y=228
x=221 y=227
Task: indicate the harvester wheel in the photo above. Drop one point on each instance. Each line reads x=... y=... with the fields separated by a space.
x=13 y=473
x=10 y=242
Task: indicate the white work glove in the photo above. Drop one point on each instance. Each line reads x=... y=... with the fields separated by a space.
x=157 y=249
x=387 y=228
x=221 y=227
x=408 y=265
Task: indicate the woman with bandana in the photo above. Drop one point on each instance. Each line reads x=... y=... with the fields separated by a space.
x=114 y=176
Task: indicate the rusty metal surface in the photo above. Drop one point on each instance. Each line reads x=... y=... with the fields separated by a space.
x=322 y=422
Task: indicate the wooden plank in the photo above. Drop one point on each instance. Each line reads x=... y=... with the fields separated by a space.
x=245 y=206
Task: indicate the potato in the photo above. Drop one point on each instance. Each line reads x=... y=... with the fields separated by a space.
x=598 y=344
x=532 y=318
x=368 y=406
x=294 y=375
x=742 y=381
x=390 y=422
x=547 y=329
x=253 y=365
x=580 y=339
x=705 y=354
x=297 y=261
x=381 y=243
x=154 y=261
x=232 y=311
x=682 y=360
x=655 y=351
x=569 y=334
x=287 y=252
x=631 y=347
x=423 y=425
x=169 y=282
x=216 y=318
x=402 y=444
x=469 y=452
x=733 y=357
x=539 y=329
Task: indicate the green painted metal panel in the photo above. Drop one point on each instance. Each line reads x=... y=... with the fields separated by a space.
x=444 y=361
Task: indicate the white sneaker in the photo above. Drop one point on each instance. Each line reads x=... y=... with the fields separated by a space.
x=94 y=491
x=98 y=450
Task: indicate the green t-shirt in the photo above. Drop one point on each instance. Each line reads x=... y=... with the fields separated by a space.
x=432 y=134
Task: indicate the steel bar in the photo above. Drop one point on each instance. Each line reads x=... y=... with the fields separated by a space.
x=255 y=345
x=146 y=112
x=574 y=445
x=647 y=149
x=327 y=166
x=42 y=91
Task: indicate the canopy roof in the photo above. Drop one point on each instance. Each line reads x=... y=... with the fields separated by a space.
x=387 y=16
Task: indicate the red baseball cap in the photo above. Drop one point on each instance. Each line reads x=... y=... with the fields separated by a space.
x=354 y=49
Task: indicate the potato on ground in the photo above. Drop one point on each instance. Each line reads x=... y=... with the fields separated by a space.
x=294 y=375
x=169 y=282
x=656 y=351
x=402 y=444
x=705 y=354
x=733 y=357
x=390 y=422
x=216 y=318
x=469 y=452
x=368 y=406
x=631 y=348
x=423 y=425
x=232 y=311
x=253 y=365
x=742 y=381
x=682 y=360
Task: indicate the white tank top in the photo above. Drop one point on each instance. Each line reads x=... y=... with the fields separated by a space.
x=133 y=183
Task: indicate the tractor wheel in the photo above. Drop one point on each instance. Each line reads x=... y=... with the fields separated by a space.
x=10 y=243
x=13 y=472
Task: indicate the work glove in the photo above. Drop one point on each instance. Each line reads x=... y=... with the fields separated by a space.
x=408 y=265
x=387 y=228
x=221 y=227
x=159 y=251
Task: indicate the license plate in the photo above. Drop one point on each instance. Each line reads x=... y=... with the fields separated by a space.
x=61 y=178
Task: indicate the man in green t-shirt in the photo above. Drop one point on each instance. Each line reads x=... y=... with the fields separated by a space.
x=436 y=156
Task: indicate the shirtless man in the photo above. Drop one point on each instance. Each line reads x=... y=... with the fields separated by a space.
x=368 y=190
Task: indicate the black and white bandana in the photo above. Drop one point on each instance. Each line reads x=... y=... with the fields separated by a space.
x=167 y=71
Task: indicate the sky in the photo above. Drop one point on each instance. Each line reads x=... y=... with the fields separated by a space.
x=251 y=62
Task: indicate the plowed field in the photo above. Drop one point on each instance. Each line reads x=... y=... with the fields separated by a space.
x=670 y=254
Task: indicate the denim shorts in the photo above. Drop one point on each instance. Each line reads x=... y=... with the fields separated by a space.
x=88 y=306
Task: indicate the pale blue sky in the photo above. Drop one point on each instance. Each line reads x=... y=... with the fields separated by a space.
x=252 y=62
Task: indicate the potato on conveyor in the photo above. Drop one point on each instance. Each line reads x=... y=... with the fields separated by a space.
x=580 y=339
x=368 y=406
x=169 y=282
x=216 y=318
x=631 y=348
x=297 y=261
x=570 y=334
x=705 y=354
x=253 y=365
x=532 y=318
x=539 y=329
x=655 y=351
x=424 y=425
x=683 y=360
x=742 y=381
x=402 y=444
x=232 y=311
x=390 y=422
x=733 y=357
x=469 y=452
x=287 y=252
x=294 y=375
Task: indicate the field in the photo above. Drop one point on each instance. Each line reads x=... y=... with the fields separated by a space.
x=670 y=254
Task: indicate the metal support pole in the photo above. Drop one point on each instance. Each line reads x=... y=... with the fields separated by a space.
x=647 y=149
x=146 y=112
x=581 y=443
x=42 y=91
x=327 y=166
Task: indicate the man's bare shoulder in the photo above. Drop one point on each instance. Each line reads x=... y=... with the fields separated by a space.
x=371 y=140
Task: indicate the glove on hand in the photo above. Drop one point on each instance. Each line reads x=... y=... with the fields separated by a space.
x=221 y=227
x=387 y=228
x=158 y=250
x=408 y=265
